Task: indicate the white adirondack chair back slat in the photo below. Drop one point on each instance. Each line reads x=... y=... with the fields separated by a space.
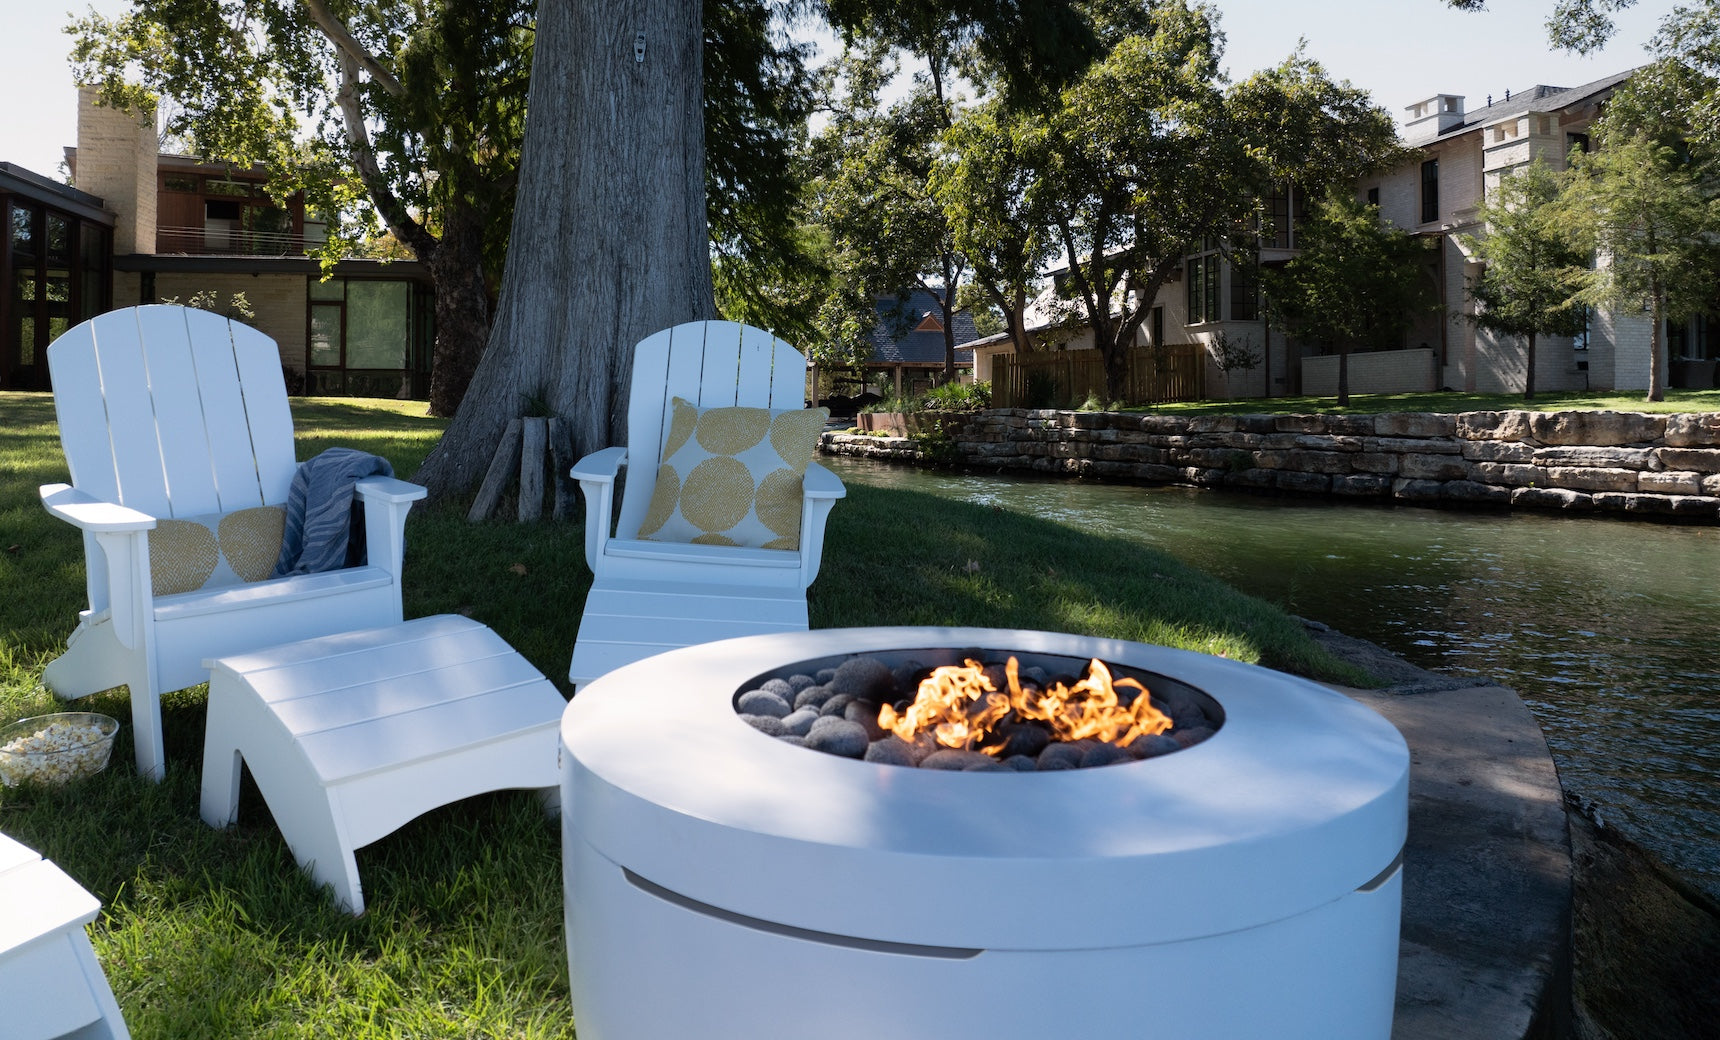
x=714 y=364
x=137 y=431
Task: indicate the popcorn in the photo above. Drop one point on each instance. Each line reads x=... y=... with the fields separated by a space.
x=60 y=751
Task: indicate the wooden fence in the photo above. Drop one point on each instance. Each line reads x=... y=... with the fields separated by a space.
x=1065 y=378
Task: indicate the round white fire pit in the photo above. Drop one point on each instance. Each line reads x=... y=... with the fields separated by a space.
x=724 y=883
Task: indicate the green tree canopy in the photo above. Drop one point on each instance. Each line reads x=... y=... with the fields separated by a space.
x=1356 y=282
x=1533 y=273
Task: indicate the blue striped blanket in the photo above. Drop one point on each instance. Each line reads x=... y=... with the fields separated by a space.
x=322 y=531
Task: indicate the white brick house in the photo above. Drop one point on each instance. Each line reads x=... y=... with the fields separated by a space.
x=1460 y=154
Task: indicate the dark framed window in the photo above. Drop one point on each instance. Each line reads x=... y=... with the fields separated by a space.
x=1373 y=196
x=368 y=337
x=1430 y=191
x=55 y=271
x=1244 y=289
x=1203 y=288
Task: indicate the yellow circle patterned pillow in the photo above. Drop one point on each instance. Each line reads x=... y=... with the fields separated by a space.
x=732 y=476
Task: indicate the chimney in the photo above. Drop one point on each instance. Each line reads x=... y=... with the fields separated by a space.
x=116 y=160
x=1436 y=115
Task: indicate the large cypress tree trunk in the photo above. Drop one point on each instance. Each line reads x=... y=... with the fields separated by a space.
x=462 y=308
x=609 y=240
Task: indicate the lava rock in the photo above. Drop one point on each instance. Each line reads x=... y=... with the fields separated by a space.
x=799 y=722
x=780 y=687
x=1153 y=745
x=891 y=751
x=997 y=675
x=1023 y=738
x=812 y=697
x=1035 y=673
x=866 y=714
x=990 y=765
x=1060 y=756
x=764 y=702
x=1103 y=754
x=789 y=738
x=835 y=705
x=865 y=677
x=923 y=745
x=907 y=675
x=1022 y=763
x=840 y=737
x=769 y=725
x=823 y=675
x=800 y=682
x=954 y=759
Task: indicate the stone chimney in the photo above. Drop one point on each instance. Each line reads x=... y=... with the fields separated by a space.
x=116 y=160
x=1430 y=118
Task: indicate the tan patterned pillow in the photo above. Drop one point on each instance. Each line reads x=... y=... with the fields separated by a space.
x=198 y=552
x=732 y=476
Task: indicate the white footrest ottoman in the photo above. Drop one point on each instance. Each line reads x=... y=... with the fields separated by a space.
x=50 y=982
x=351 y=736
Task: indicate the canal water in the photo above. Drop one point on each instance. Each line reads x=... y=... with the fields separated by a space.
x=1608 y=629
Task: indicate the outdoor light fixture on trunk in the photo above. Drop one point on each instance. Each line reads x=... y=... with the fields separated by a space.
x=1246 y=885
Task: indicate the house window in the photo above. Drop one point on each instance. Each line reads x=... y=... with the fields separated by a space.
x=366 y=337
x=1691 y=339
x=1158 y=326
x=1203 y=288
x=1430 y=191
x=1374 y=197
x=1576 y=143
x=1244 y=290
x=54 y=274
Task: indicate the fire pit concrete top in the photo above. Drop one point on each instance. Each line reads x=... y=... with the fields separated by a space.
x=1300 y=798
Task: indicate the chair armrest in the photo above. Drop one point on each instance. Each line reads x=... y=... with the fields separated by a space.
x=387 y=489
x=820 y=489
x=116 y=546
x=596 y=474
x=88 y=513
x=600 y=466
x=819 y=482
x=387 y=501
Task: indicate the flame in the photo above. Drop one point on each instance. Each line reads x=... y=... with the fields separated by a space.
x=961 y=708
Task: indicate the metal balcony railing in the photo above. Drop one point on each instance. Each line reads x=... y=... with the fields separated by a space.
x=212 y=241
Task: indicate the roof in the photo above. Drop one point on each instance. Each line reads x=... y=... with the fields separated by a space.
x=905 y=336
x=1539 y=98
x=17 y=180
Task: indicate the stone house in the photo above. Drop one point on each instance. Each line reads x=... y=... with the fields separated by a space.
x=143 y=227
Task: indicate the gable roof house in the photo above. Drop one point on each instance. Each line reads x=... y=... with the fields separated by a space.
x=1460 y=155
x=907 y=355
x=144 y=227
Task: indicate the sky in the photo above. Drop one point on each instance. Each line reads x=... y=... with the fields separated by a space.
x=1400 y=51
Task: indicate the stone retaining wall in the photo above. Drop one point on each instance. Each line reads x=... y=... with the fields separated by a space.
x=1614 y=462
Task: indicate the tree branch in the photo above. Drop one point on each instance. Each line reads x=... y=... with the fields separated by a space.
x=350 y=48
x=393 y=211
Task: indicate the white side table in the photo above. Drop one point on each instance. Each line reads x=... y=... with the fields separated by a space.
x=50 y=982
x=351 y=736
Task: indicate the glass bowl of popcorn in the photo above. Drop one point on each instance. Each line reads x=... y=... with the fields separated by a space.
x=55 y=749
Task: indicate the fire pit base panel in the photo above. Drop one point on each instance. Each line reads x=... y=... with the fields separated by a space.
x=723 y=883
x=647 y=964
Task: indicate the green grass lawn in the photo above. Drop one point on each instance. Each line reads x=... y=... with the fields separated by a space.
x=210 y=933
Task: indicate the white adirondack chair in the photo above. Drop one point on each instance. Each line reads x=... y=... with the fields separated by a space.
x=172 y=412
x=650 y=596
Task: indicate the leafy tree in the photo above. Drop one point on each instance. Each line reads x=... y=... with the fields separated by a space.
x=1355 y=282
x=610 y=239
x=1148 y=157
x=986 y=181
x=1642 y=206
x=1533 y=274
x=416 y=108
x=875 y=197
